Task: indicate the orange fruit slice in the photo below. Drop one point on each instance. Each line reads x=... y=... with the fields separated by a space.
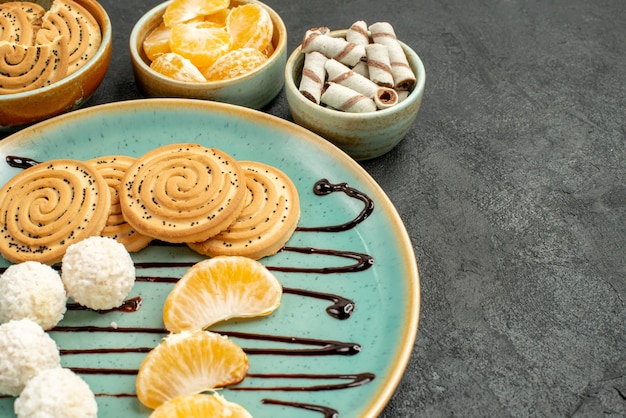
x=235 y=63
x=218 y=17
x=157 y=42
x=200 y=42
x=221 y=288
x=188 y=363
x=249 y=26
x=201 y=406
x=177 y=67
x=180 y=11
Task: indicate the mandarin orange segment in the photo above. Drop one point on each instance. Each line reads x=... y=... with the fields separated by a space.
x=235 y=63
x=218 y=17
x=200 y=406
x=188 y=363
x=157 y=42
x=250 y=26
x=200 y=42
x=177 y=67
x=218 y=289
x=180 y=11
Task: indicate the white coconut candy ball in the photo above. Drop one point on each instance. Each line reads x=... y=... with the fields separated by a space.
x=32 y=290
x=98 y=272
x=56 y=393
x=25 y=350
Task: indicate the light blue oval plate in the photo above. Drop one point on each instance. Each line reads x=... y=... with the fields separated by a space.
x=304 y=361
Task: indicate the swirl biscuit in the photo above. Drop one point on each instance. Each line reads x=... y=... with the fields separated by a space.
x=113 y=168
x=15 y=26
x=27 y=67
x=266 y=222
x=32 y=12
x=182 y=193
x=72 y=21
x=49 y=206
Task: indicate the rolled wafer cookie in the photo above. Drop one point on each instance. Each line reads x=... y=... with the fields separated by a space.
x=342 y=74
x=345 y=99
x=182 y=192
x=113 y=168
x=385 y=98
x=267 y=221
x=24 y=68
x=71 y=20
x=50 y=206
x=357 y=33
x=338 y=48
x=378 y=65
x=402 y=94
x=403 y=75
x=313 y=76
x=361 y=68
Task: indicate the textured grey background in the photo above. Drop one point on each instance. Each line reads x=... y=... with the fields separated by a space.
x=512 y=186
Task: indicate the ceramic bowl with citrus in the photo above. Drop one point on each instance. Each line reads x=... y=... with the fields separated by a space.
x=59 y=69
x=231 y=51
x=363 y=135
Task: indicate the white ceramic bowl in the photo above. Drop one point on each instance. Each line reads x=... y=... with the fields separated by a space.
x=361 y=135
x=254 y=89
x=69 y=93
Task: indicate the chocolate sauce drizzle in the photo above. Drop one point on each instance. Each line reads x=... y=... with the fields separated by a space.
x=20 y=162
x=341 y=309
x=128 y=306
x=322 y=347
x=324 y=187
x=324 y=410
x=363 y=261
x=349 y=381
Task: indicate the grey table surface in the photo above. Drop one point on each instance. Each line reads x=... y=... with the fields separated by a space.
x=512 y=187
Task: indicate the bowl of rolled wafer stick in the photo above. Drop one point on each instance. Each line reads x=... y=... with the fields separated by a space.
x=53 y=56
x=359 y=88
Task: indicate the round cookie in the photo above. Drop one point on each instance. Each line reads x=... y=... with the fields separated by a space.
x=113 y=168
x=49 y=206
x=266 y=222
x=34 y=13
x=75 y=23
x=182 y=192
x=28 y=67
x=15 y=25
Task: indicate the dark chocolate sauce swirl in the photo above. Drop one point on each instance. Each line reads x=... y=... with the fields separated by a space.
x=324 y=187
x=324 y=410
x=128 y=306
x=341 y=308
x=20 y=162
x=349 y=381
x=321 y=347
x=363 y=261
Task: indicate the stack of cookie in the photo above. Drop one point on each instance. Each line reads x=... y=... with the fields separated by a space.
x=39 y=47
x=179 y=193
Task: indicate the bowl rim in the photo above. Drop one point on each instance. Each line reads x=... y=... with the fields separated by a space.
x=105 y=44
x=136 y=55
x=415 y=93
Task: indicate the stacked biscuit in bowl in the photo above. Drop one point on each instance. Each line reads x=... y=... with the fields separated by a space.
x=52 y=59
